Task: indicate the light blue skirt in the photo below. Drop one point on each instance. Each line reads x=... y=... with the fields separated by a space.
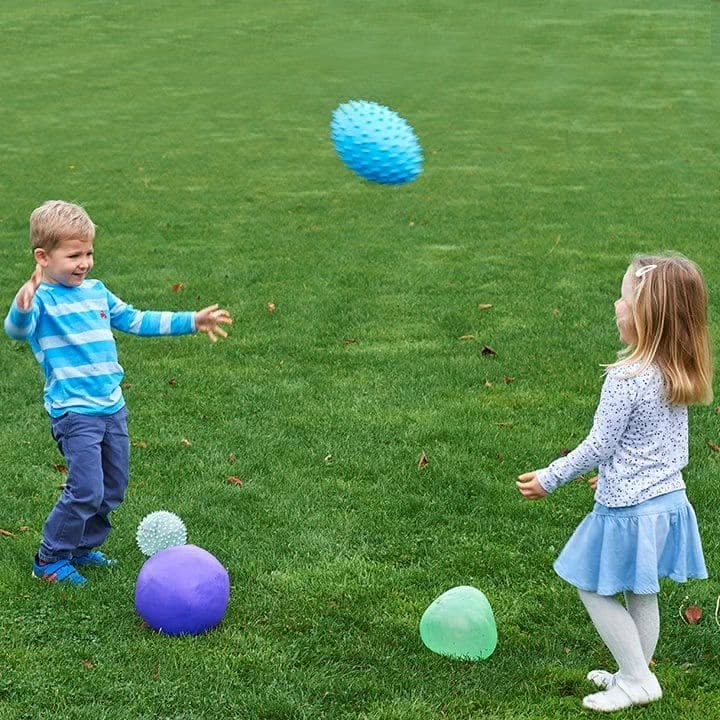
x=630 y=548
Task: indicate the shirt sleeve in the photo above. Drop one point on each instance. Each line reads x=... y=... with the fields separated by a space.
x=21 y=324
x=617 y=400
x=148 y=322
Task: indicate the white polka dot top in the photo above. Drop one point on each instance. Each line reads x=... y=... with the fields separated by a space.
x=638 y=442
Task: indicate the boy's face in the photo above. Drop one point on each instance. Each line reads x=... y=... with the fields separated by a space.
x=68 y=263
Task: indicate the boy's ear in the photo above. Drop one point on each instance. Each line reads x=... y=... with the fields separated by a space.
x=41 y=256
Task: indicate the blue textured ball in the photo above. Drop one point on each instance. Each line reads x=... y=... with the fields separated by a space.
x=376 y=142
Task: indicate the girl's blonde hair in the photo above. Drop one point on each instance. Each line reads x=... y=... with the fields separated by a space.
x=670 y=316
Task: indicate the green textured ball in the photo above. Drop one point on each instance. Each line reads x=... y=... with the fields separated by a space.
x=160 y=530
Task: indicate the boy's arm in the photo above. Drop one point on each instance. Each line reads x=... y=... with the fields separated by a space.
x=152 y=322
x=148 y=322
x=617 y=401
x=22 y=317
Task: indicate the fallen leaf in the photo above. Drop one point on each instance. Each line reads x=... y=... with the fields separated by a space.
x=507 y=380
x=235 y=480
x=185 y=442
x=60 y=468
x=87 y=665
x=172 y=381
x=487 y=350
x=271 y=307
x=328 y=458
x=565 y=451
x=126 y=385
x=177 y=287
x=504 y=424
x=487 y=383
x=556 y=312
x=693 y=614
x=140 y=444
x=500 y=457
x=232 y=458
x=466 y=337
x=713 y=446
x=423 y=461
x=349 y=341
x=156 y=673
x=23 y=528
x=62 y=487
x=484 y=306
x=7 y=533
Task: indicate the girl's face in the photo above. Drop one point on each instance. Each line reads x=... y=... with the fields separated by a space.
x=623 y=309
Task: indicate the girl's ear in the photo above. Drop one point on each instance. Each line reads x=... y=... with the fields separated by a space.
x=41 y=256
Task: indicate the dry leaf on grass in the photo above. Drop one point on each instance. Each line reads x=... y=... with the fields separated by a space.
x=139 y=444
x=7 y=533
x=713 y=446
x=487 y=350
x=271 y=307
x=177 y=287
x=185 y=442
x=466 y=337
x=235 y=480
x=484 y=306
x=60 y=468
x=693 y=614
x=423 y=461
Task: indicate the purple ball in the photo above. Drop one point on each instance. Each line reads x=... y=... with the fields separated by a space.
x=182 y=590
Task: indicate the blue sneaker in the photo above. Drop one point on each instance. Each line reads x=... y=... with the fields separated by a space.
x=94 y=558
x=60 y=571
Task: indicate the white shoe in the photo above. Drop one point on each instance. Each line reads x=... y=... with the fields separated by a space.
x=624 y=694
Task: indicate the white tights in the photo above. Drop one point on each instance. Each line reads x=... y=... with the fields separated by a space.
x=631 y=635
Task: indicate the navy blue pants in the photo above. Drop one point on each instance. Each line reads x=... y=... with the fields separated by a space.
x=97 y=453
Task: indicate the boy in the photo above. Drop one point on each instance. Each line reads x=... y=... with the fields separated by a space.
x=68 y=321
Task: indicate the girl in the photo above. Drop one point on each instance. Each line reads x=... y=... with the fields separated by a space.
x=642 y=526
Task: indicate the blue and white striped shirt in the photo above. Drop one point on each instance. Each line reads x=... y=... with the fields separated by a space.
x=70 y=332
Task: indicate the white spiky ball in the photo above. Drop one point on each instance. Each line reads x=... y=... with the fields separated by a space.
x=160 y=530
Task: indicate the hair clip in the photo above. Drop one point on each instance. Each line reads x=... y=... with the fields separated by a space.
x=644 y=270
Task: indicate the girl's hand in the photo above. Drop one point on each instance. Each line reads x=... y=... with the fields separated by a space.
x=529 y=486
x=592 y=482
x=27 y=292
x=208 y=320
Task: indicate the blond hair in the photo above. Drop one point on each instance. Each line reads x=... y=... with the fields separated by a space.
x=55 y=221
x=670 y=316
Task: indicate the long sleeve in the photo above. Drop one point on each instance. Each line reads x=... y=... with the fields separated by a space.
x=19 y=324
x=617 y=400
x=148 y=322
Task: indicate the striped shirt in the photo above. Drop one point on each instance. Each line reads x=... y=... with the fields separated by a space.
x=70 y=332
x=638 y=441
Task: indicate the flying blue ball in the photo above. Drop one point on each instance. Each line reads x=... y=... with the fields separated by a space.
x=376 y=143
x=183 y=590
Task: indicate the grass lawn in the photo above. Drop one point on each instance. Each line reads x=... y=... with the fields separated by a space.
x=560 y=138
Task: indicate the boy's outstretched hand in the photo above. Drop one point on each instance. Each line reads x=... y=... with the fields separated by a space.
x=209 y=319
x=529 y=486
x=27 y=292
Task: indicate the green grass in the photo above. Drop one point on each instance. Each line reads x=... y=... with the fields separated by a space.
x=560 y=138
